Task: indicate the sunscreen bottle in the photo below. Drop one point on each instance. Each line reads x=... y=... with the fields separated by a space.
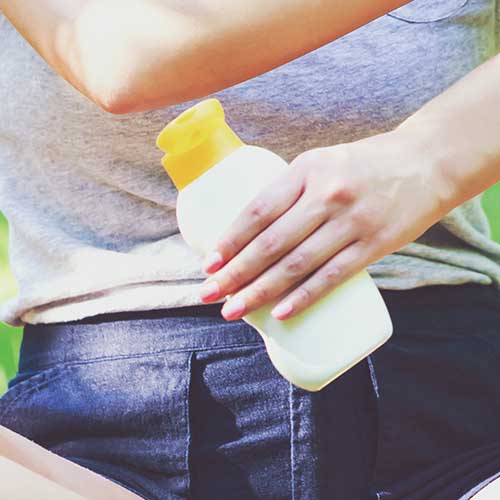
x=217 y=175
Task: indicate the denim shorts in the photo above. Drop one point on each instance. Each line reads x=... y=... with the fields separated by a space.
x=180 y=403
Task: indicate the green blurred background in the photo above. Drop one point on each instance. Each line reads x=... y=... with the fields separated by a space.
x=10 y=338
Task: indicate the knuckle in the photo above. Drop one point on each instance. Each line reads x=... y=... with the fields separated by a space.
x=304 y=295
x=342 y=192
x=310 y=159
x=228 y=246
x=306 y=158
x=332 y=273
x=381 y=238
x=259 y=293
x=361 y=220
x=297 y=263
x=235 y=277
x=258 y=209
x=269 y=242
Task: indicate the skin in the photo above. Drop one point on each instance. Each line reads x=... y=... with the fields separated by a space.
x=32 y=458
x=338 y=209
x=138 y=55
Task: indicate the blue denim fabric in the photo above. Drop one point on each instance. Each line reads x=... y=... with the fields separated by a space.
x=180 y=403
x=438 y=386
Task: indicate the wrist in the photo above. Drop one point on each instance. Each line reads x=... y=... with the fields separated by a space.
x=425 y=144
x=464 y=159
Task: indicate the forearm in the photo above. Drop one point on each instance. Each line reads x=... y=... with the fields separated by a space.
x=460 y=132
x=134 y=55
x=33 y=458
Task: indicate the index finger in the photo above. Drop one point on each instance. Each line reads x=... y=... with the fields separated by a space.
x=266 y=207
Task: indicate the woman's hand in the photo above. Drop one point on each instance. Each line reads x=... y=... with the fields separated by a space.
x=332 y=213
x=338 y=209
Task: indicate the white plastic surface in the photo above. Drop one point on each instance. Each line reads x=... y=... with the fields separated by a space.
x=317 y=345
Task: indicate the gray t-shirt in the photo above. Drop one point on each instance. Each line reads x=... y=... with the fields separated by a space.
x=92 y=212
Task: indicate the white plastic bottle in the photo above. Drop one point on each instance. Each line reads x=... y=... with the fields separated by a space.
x=217 y=176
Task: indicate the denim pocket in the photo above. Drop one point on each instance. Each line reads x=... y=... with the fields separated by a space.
x=24 y=384
x=428 y=11
x=124 y=417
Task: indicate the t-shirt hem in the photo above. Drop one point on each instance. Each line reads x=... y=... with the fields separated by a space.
x=164 y=295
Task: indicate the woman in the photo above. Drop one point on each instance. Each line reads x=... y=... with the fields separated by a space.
x=131 y=367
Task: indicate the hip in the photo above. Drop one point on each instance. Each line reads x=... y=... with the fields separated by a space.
x=181 y=402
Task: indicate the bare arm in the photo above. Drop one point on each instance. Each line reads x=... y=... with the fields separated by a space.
x=340 y=208
x=44 y=474
x=136 y=55
x=460 y=130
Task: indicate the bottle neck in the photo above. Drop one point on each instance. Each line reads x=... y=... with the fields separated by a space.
x=185 y=167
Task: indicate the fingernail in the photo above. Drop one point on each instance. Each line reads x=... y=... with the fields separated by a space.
x=212 y=261
x=233 y=308
x=282 y=310
x=210 y=290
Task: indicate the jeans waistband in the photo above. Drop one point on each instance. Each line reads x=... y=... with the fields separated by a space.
x=460 y=308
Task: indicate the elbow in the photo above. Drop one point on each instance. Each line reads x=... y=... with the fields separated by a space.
x=115 y=104
x=122 y=55
x=129 y=98
x=118 y=97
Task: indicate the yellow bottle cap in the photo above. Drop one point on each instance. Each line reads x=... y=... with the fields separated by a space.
x=195 y=141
